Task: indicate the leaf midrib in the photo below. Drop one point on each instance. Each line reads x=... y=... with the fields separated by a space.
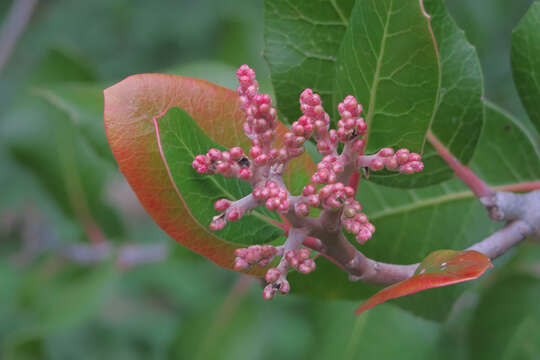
x=375 y=82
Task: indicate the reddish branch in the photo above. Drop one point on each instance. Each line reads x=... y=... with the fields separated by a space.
x=473 y=182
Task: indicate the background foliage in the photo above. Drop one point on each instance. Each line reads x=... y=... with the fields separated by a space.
x=57 y=174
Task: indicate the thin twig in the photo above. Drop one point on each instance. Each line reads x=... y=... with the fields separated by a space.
x=14 y=25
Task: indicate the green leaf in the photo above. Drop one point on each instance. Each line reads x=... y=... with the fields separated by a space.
x=460 y=112
x=388 y=60
x=506 y=323
x=181 y=140
x=410 y=224
x=301 y=45
x=526 y=61
x=440 y=268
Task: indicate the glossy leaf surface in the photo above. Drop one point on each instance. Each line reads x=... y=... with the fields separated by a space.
x=302 y=40
x=526 y=61
x=388 y=60
x=302 y=51
x=459 y=116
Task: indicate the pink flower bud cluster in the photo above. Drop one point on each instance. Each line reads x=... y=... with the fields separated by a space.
x=335 y=196
x=356 y=222
x=275 y=197
x=232 y=163
x=351 y=124
x=260 y=255
x=403 y=160
x=264 y=169
x=261 y=119
x=300 y=260
x=316 y=120
x=331 y=196
x=270 y=290
x=328 y=169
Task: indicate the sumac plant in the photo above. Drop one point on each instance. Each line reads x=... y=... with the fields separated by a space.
x=379 y=151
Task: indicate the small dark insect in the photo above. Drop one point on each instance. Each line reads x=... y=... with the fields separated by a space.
x=243 y=162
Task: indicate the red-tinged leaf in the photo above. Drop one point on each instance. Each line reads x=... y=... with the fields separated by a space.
x=440 y=268
x=130 y=109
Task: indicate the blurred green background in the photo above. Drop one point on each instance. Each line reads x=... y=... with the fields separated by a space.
x=135 y=293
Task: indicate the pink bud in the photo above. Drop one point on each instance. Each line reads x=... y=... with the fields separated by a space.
x=309 y=190
x=268 y=251
x=391 y=163
x=222 y=204
x=303 y=269
x=358 y=145
x=325 y=192
x=222 y=167
x=406 y=169
x=245 y=173
x=310 y=263
x=361 y=218
x=313 y=200
x=301 y=209
x=241 y=252
x=272 y=275
x=417 y=165
x=271 y=204
x=261 y=159
x=284 y=287
x=233 y=215
x=376 y=164
x=415 y=157
x=255 y=151
x=269 y=292
x=217 y=224
x=264 y=262
x=385 y=152
x=236 y=153
x=363 y=236
x=303 y=254
x=240 y=264
x=283 y=207
x=402 y=156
